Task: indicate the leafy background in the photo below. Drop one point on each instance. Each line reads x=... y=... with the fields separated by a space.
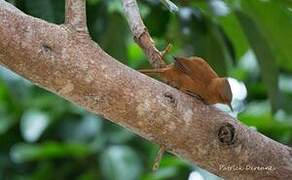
x=44 y=137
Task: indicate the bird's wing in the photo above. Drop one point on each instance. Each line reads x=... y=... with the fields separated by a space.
x=181 y=66
x=197 y=68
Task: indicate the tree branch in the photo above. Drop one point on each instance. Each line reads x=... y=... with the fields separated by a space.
x=75 y=15
x=76 y=68
x=141 y=35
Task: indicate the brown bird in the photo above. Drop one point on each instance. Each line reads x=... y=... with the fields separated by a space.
x=195 y=76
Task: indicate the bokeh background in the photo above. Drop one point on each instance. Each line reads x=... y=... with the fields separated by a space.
x=43 y=136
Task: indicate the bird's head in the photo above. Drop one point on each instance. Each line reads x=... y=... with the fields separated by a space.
x=224 y=92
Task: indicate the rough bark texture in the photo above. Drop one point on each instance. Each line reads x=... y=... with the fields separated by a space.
x=76 y=15
x=69 y=64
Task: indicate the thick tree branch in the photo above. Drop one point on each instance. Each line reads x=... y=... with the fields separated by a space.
x=141 y=35
x=75 y=15
x=64 y=62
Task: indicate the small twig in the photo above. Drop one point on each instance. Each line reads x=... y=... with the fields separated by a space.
x=158 y=158
x=141 y=35
x=166 y=50
x=75 y=15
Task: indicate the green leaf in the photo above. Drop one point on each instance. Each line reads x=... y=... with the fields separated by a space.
x=119 y=163
x=49 y=10
x=117 y=134
x=170 y=160
x=265 y=57
x=93 y=2
x=7 y=110
x=45 y=101
x=114 y=6
x=258 y=115
x=162 y=173
x=29 y=152
x=82 y=131
x=6 y=122
x=114 y=42
x=157 y=26
x=274 y=20
x=97 y=19
x=32 y=125
x=135 y=55
x=217 y=52
x=234 y=32
x=203 y=37
x=58 y=10
x=42 y=9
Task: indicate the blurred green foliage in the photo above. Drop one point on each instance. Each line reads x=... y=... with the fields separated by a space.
x=45 y=137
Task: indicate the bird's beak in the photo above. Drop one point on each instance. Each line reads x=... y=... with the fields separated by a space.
x=230 y=106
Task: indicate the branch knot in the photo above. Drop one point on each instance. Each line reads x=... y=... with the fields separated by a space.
x=226 y=134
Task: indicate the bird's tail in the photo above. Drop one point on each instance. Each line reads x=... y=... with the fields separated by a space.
x=153 y=71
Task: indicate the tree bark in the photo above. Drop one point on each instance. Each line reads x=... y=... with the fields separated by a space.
x=75 y=15
x=68 y=63
x=141 y=34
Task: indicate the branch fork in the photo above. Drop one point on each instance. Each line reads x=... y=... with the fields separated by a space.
x=141 y=34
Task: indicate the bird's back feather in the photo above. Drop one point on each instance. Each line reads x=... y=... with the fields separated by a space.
x=197 y=68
